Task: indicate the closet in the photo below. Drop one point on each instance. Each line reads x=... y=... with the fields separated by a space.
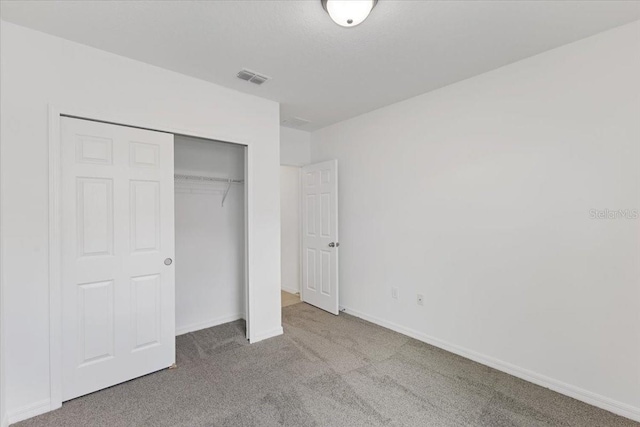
x=209 y=233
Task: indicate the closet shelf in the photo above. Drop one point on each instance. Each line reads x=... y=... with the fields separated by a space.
x=194 y=184
x=201 y=178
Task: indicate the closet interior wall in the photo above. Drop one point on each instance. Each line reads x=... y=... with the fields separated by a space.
x=210 y=242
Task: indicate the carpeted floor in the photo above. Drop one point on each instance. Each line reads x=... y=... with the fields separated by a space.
x=324 y=371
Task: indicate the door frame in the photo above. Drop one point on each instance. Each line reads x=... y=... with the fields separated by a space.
x=55 y=113
x=300 y=231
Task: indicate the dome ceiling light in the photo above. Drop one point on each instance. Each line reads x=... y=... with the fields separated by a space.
x=348 y=13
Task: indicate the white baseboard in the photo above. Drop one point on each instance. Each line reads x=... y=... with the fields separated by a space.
x=265 y=335
x=290 y=290
x=586 y=396
x=208 y=323
x=28 y=411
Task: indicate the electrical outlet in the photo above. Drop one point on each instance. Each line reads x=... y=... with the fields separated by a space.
x=394 y=293
x=420 y=299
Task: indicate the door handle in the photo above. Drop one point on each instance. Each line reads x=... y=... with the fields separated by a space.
x=168 y=261
x=334 y=245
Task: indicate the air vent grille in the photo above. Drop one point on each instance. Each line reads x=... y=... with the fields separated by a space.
x=258 y=79
x=252 y=77
x=245 y=75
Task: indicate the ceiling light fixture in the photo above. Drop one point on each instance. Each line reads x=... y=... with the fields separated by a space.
x=348 y=13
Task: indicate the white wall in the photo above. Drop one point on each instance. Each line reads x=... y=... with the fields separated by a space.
x=295 y=146
x=209 y=237
x=3 y=397
x=478 y=196
x=290 y=228
x=38 y=69
x=3 y=394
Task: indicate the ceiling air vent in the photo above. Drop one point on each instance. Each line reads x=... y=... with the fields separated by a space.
x=252 y=77
x=295 y=122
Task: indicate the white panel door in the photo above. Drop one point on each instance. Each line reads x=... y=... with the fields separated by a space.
x=118 y=297
x=320 y=235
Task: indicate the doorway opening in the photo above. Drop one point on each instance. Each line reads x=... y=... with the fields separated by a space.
x=290 y=235
x=309 y=241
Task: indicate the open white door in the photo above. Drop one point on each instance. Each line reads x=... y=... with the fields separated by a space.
x=320 y=235
x=118 y=298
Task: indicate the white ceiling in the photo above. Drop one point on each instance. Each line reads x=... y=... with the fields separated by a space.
x=320 y=71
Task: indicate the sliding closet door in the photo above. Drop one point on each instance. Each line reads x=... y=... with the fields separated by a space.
x=118 y=297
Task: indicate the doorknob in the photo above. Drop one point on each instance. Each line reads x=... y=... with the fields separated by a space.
x=168 y=261
x=334 y=245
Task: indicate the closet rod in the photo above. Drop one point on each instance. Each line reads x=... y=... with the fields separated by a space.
x=208 y=178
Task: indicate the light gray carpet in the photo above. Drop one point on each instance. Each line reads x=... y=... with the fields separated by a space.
x=324 y=371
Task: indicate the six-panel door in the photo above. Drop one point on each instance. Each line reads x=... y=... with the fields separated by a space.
x=117 y=231
x=320 y=235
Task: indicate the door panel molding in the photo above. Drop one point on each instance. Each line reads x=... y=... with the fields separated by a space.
x=117 y=228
